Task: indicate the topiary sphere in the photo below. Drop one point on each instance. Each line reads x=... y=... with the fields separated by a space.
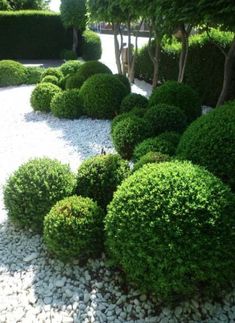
x=52 y=71
x=163 y=117
x=74 y=229
x=180 y=95
x=138 y=112
x=155 y=144
x=98 y=177
x=133 y=100
x=67 y=104
x=34 y=188
x=124 y=80
x=12 y=73
x=170 y=136
x=42 y=96
x=50 y=79
x=102 y=95
x=149 y=158
x=70 y=67
x=128 y=133
x=210 y=142
x=74 y=81
x=170 y=228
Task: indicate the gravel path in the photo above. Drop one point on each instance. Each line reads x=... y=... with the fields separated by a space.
x=37 y=288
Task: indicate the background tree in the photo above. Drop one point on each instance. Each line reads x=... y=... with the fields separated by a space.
x=73 y=15
x=28 y=4
x=4 y=5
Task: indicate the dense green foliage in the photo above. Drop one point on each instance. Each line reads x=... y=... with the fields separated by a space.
x=171 y=136
x=180 y=95
x=91 y=46
x=42 y=95
x=50 y=79
x=170 y=228
x=127 y=133
x=73 y=14
x=24 y=4
x=34 y=188
x=33 y=74
x=70 y=67
x=67 y=104
x=149 y=158
x=164 y=117
x=133 y=100
x=4 y=5
x=12 y=73
x=124 y=80
x=53 y=71
x=155 y=144
x=74 y=229
x=102 y=95
x=68 y=55
x=99 y=176
x=210 y=142
x=32 y=35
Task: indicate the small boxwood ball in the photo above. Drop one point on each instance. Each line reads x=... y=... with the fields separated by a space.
x=67 y=104
x=70 y=67
x=74 y=81
x=163 y=117
x=180 y=95
x=134 y=112
x=210 y=142
x=102 y=95
x=98 y=177
x=12 y=73
x=155 y=144
x=50 y=79
x=133 y=100
x=42 y=96
x=128 y=133
x=73 y=229
x=171 y=136
x=149 y=158
x=52 y=71
x=170 y=227
x=124 y=80
x=34 y=188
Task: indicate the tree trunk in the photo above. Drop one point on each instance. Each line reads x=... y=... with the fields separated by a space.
x=228 y=67
x=129 y=46
x=75 y=40
x=156 y=57
x=184 y=52
x=117 y=47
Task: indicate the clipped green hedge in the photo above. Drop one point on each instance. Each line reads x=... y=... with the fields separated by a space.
x=32 y=35
x=91 y=46
x=205 y=66
x=170 y=227
x=74 y=229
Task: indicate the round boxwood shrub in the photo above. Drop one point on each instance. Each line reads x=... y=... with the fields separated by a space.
x=124 y=80
x=70 y=67
x=149 y=158
x=68 y=54
x=42 y=95
x=74 y=229
x=74 y=81
x=163 y=117
x=134 y=112
x=98 y=177
x=133 y=100
x=67 y=104
x=155 y=144
x=53 y=71
x=210 y=142
x=170 y=228
x=127 y=133
x=33 y=74
x=102 y=95
x=50 y=79
x=170 y=136
x=91 y=46
x=34 y=188
x=12 y=73
x=180 y=95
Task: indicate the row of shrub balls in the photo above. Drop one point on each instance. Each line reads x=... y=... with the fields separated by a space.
x=167 y=223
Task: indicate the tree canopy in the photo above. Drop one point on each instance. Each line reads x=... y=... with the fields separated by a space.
x=24 y=4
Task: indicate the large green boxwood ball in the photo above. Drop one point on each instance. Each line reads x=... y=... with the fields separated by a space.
x=149 y=158
x=163 y=117
x=34 y=188
x=180 y=95
x=70 y=67
x=171 y=136
x=124 y=80
x=210 y=142
x=102 y=95
x=127 y=133
x=170 y=227
x=74 y=229
x=133 y=100
x=12 y=73
x=52 y=71
x=42 y=96
x=154 y=144
x=67 y=104
x=98 y=177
